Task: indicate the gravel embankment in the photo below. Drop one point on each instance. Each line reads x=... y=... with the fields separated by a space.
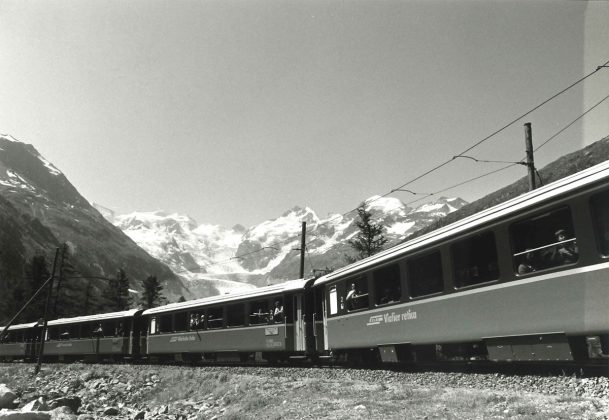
x=171 y=392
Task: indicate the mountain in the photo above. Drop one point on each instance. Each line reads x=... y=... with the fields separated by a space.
x=237 y=258
x=40 y=210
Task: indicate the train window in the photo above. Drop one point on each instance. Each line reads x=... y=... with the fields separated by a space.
x=180 y=321
x=387 y=288
x=196 y=321
x=475 y=260
x=259 y=312
x=53 y=333
x=74 y=331
x=599 y=205
x=357 y=297
x=287 y=313
x=235 y=315
x=425 y=275
x=333 y=301
x=278 y=311
x=215 y=318
x=153 y=326
x=165 y=324
x=544 y=241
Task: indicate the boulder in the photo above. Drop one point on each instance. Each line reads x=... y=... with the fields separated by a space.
x=7 y=396
x=111 y=411
x=141 y=415
x=20 y=415
x=36 y=405
x=72 y=402
x=63 y=413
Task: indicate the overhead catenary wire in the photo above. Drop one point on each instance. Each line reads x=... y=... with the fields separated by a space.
x=445 y=163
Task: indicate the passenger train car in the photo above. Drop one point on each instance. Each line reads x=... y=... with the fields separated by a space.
x=267 y=323
x=526 y=280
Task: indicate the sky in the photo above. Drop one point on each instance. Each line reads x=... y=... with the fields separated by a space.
x=236 y=111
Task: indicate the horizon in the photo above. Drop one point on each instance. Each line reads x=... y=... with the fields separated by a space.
x=234 y=112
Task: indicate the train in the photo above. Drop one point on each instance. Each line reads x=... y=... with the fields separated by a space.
x=524 y=281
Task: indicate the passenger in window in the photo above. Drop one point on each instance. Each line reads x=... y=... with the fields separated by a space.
x=528 y=265
x=566 y=252
x=350 y=298
x=120 y=331
x=278 y=312
x=99 y=331
x=201 y=321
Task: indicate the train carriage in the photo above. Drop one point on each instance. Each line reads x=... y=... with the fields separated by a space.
x=265 y=323
x=525 y=280
x=104 y=336
x=20 y=342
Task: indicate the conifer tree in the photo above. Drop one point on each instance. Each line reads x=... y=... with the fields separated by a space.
x=369 y=240
x=152 y=293
x=116 y=293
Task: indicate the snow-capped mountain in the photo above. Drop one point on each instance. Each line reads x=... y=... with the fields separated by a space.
x=267 y=252
x=40 y=209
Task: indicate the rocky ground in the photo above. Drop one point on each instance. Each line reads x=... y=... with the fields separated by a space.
x=78 y=391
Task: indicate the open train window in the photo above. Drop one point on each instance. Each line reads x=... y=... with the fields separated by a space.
x=181 y=321
x=196 y=320
x=387 y=288
x=259 y=312
x=165 y=323
x=425 y=275
x=53 y=333
x=544 y=241
x=357 y=296
x=599 y=205
x=279 y=310
x=235 y=315
x=475 y=260
x=215 y=318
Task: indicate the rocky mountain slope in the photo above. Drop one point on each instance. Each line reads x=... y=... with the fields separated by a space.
x=40 y=209
x=267 y=252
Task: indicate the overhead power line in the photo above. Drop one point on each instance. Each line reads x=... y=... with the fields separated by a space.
x=441 y=165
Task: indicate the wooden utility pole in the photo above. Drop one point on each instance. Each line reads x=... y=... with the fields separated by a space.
x=46 y=309
x=302 y=249
x=528 y=140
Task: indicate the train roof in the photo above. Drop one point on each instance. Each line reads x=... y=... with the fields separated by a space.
x=97 y=317
x=20 y=326
x=570 y=183
x=259 y=292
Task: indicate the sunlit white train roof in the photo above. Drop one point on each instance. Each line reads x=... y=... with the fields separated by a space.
x=259 y=292
x=572 y=182
x=20 y=326
x=98 y=317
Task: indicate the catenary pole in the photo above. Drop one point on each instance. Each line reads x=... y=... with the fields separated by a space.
x=302 y=248
x=528 y=140
x=44 y=319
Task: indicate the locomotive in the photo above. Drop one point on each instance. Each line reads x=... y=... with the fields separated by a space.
x=524 y=281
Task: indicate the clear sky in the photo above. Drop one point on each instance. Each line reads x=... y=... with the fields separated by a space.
x=234 y=111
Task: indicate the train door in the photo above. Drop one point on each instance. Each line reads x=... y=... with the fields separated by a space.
x=299 y=323
x=318 y=318
x=333 y=309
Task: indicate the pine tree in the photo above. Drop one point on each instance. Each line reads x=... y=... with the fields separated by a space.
x=369 y=240
x=152 y=293
x=116 y=293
